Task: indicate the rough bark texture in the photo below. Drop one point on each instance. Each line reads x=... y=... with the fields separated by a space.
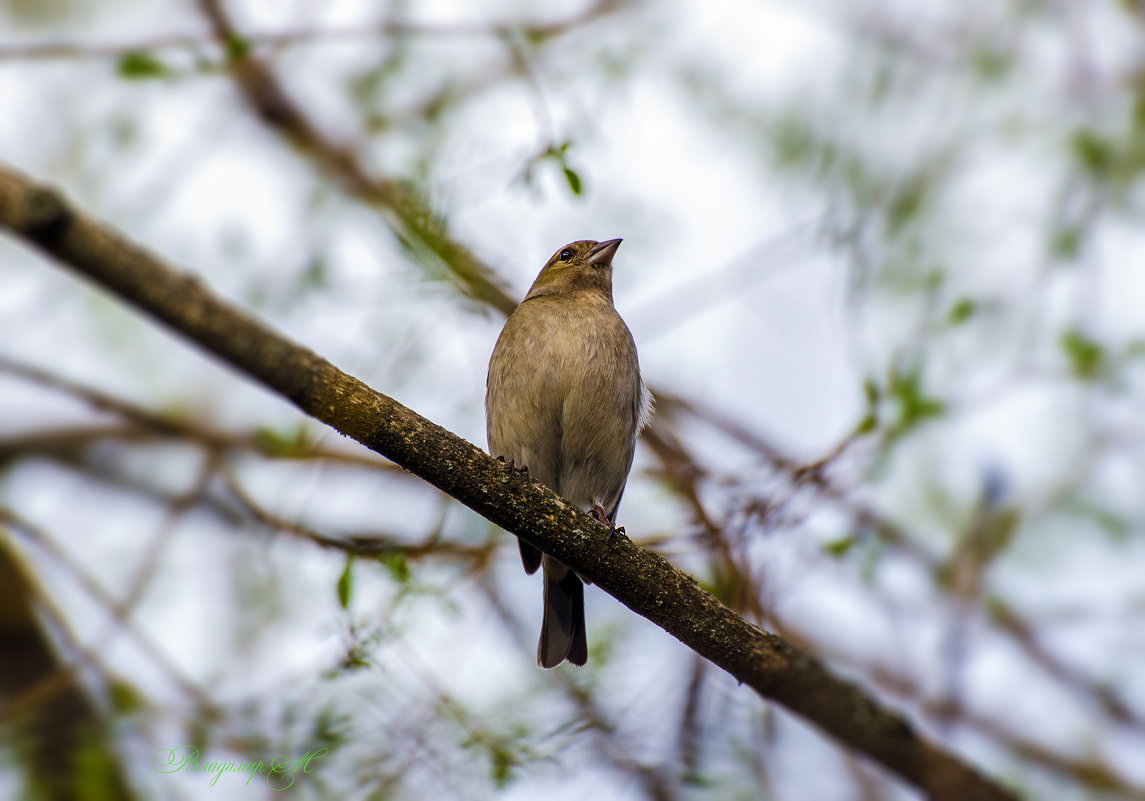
x=640 y=579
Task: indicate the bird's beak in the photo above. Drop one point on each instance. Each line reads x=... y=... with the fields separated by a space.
x=601 y=255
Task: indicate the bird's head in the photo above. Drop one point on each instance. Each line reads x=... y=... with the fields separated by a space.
x=583 y=265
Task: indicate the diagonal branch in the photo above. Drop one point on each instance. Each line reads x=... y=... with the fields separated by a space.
x=640 y=579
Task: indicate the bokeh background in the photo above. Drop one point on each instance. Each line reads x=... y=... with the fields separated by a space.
x=883 y=262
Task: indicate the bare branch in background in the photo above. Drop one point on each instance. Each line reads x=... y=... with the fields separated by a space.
x=277 y=40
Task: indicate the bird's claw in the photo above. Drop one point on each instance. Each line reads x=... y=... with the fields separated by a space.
x=614 y=531
x=512 y=465
x=597 y=512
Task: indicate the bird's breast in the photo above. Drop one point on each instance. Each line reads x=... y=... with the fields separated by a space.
x=563 y=386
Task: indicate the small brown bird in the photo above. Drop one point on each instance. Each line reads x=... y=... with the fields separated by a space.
x=564 y=398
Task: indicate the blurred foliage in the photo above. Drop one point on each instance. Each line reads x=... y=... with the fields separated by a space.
x=43 y=13
x=1085 y=356
x=970 y=530
x=140 y=64
x=346 y=583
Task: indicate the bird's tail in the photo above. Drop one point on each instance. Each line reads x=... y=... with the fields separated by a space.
x=562 y=628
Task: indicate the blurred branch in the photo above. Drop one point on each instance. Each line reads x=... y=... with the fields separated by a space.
x=813 y=475
x=361 y=545
x=642 y=580
x=733 y=280
x=1023 y=633
x=415 y=225
x=689 y=742
x=48 y=51
x=887 y=672
x=1094 y=770
x=1004 y=619
x=69 y=445
x=612 y=747
x=118 y=609
x=730 y=577
x=144 y=425
x=69 y=748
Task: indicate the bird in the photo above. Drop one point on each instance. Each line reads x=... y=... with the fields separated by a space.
x=565 y=399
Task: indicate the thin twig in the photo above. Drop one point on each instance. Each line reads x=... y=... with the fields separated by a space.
x=277 y=40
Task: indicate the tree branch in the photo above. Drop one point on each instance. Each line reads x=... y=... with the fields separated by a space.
x=640 y=579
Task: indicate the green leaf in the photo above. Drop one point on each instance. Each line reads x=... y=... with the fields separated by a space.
x=140 y=65
x=292 y=442
x=839 y=548
x=574 y=181
x=907 y=203
x=237 y=47
x=1066 y=242
x=869 y=423
x=395 y=562
x=124 y=698
x=998 y=531
x=1095 y=153
x=870 y=420
x=914 y=406
x=501 y=764
x=871 y=391
x=962 y=310
x=346 y=583
x=331 y=729
x=1085 y=356
x=93 y=771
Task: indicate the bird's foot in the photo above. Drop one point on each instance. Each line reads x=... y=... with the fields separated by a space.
x=597 y=511
x=513 y=465
x=613 y=530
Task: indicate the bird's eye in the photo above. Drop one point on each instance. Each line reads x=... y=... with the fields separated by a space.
x=565 y=255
